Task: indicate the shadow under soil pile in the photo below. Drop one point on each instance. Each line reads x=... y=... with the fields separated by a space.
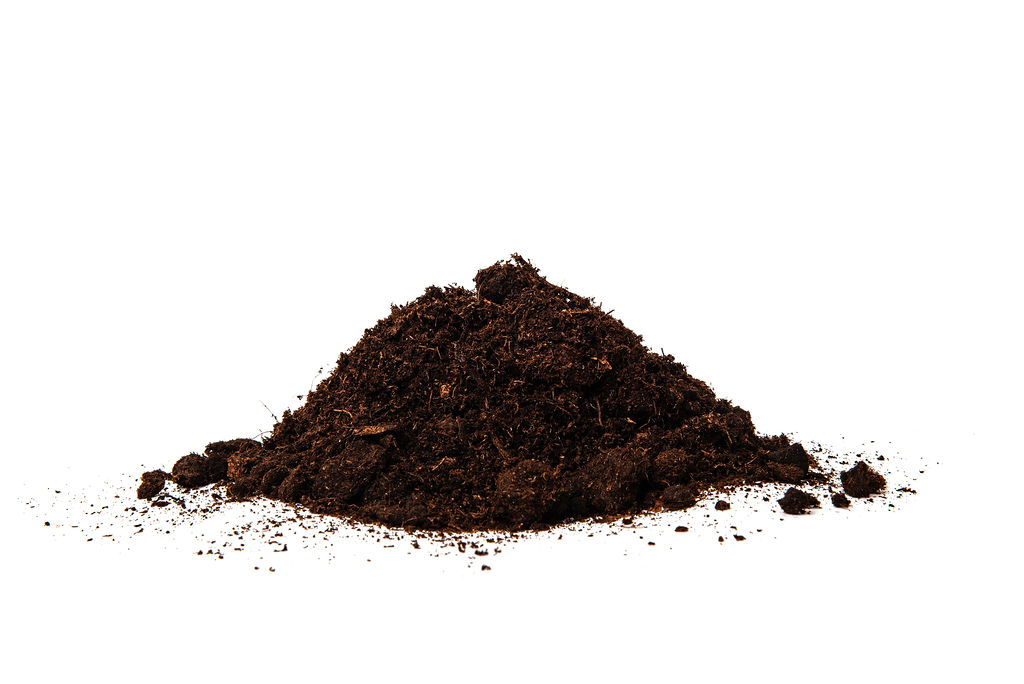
x=517 y=405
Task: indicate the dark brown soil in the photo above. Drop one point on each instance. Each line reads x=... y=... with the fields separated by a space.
x=194 y=470
x=517 y=405
x=796 y=501
x=152 y=484
x=861 y=480
x=839 y=500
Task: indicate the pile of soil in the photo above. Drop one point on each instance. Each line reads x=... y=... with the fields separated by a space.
x=516 y=405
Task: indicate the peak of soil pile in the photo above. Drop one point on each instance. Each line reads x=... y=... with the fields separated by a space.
x=518 y=404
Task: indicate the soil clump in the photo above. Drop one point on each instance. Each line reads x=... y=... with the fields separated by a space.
x=862 y=480
x=796 y=501
x=152 y=484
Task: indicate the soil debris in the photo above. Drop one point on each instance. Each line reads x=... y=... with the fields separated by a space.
x=840 y=500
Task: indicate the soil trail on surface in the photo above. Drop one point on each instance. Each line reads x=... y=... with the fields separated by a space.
x=512 y=406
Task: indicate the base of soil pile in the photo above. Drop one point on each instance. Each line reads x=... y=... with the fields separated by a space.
x=515 y=405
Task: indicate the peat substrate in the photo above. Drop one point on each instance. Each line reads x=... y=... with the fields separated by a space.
x=516 y=405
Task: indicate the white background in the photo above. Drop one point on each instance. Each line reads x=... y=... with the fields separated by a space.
x=815 y=206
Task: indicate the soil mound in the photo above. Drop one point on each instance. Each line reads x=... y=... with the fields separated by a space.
x=516 y=405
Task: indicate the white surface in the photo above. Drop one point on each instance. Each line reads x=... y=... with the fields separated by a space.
x=835 y=191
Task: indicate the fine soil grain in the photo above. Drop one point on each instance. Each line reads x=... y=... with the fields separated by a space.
x=511 y=406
